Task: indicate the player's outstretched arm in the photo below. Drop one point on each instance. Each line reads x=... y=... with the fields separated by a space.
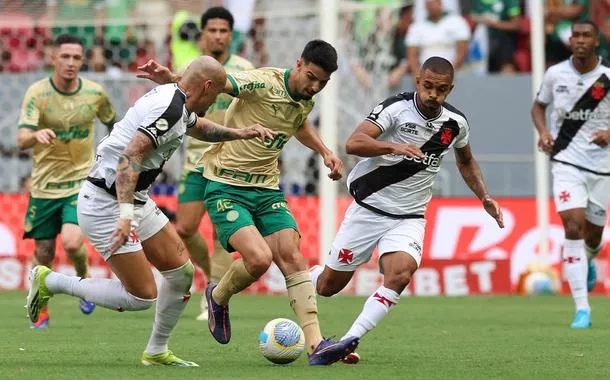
x=471 y=172
x=157 y=73
x=308 y=136
x=545 y=140
x=363 y=142
x=207 y=130
x=128 y=172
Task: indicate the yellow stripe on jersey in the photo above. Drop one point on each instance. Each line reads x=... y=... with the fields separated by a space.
x=58 y=169
x=195 y=148
x=262 y=96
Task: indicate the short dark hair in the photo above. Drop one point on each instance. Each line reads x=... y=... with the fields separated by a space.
x=217 y=12
x=321 y=53
x=438 y=65
x=586 y=22
x=67 y=39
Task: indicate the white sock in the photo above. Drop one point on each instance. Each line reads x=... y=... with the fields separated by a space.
x=314 y=273
x=375 y=309
x=575 y=269
x=104 y=292
x=592 y=252
x=174 y=294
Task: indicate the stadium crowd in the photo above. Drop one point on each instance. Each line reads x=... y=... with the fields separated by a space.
x=487 y=35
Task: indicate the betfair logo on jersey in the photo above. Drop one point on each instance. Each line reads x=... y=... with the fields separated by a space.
x=277 y=142
x=582 y=115
x=432 y=161
x=72 y=133
x=251 y=86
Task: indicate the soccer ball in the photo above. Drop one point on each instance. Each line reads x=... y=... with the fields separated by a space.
x=281 y=341
x=540 y=283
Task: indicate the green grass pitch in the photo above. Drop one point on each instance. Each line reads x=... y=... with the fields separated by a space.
x=423 y=338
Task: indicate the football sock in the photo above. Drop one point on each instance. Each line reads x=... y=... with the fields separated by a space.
x=174 y=294
x=314 y=273
x=375 y=309
x=198 y=248
x=234 y=281
x=593 y=252
x=104 y=292
x=303 y=301
x=575 y=269
x=79 y=259
x=220 y=262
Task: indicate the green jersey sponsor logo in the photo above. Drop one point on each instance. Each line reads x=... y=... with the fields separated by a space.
x=241 y=176
x=75 y=132
x=251 y=86
x=277 y=142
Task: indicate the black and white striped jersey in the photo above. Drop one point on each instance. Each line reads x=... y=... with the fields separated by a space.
x=580 y=106
x=400 y=186
x=161 y=115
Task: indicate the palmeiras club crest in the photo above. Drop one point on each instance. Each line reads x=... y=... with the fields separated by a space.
x=598 y=91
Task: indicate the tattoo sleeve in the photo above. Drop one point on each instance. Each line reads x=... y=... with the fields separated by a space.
x=470 y=171
x=207 y=130
x=128 y=168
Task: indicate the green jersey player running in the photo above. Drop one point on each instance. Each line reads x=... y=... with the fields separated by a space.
x=243 y=197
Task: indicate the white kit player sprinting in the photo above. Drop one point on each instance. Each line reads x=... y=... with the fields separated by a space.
x=404 y=139
x=577 y=92
x=125 y=225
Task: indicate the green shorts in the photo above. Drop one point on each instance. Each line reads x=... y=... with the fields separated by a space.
x=233 y=207
x=192 y=187
x=45 y=217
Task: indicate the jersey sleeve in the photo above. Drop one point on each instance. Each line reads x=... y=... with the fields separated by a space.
x=30 y=111
x=545 y=94
x=464 y=136
x=161 y=119
x=462 y=30
x=381 y=115
x=413 y=38
x=248 y=85
x=105 y=111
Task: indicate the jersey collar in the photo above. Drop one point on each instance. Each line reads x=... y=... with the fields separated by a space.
x=599 y=62
x=421 y=114
x=80 y=84
x=286 y=76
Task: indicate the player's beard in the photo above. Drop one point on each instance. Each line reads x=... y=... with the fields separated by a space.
x=217 y=53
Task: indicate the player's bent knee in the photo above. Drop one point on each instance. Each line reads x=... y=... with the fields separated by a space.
x=185 y=231
x=326 y=289
x=398 y=280
x=258 y=264
x=135 y=303
x=573 y=230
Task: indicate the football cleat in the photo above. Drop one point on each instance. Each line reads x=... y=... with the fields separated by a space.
x=582 y=319
x=218 y=318
x=329 y=351
x=39 y=295
x=166 y=358
x=86 y=307
x=352 y=358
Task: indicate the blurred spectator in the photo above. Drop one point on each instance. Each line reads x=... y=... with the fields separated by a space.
x=558 y=16
x=400 y=66
x=502 y=20
x=599 y=11
x=119 y=19
x=604 y=43
x=444 y=35
x=449 y=6
x=184 y=36
x=242 y=11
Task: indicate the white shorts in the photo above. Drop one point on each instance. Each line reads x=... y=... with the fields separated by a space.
x=362 y=230
x=575 y=188
x=98 y=213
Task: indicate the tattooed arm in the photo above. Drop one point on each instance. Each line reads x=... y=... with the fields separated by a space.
x=128 y=172
x=207 y=130
x=471 y=172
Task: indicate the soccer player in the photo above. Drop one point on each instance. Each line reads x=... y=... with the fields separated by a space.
x=404 y=140
x=243 y=197
x=216 y=33
x=125 y=225
x=58 y=123
x=576 y=91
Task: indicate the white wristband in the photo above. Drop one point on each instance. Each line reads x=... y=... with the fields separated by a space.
x=126 y=211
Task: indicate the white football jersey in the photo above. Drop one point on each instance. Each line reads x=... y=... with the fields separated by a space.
x=162 y=116
x=400 y=186
x=579 y=107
